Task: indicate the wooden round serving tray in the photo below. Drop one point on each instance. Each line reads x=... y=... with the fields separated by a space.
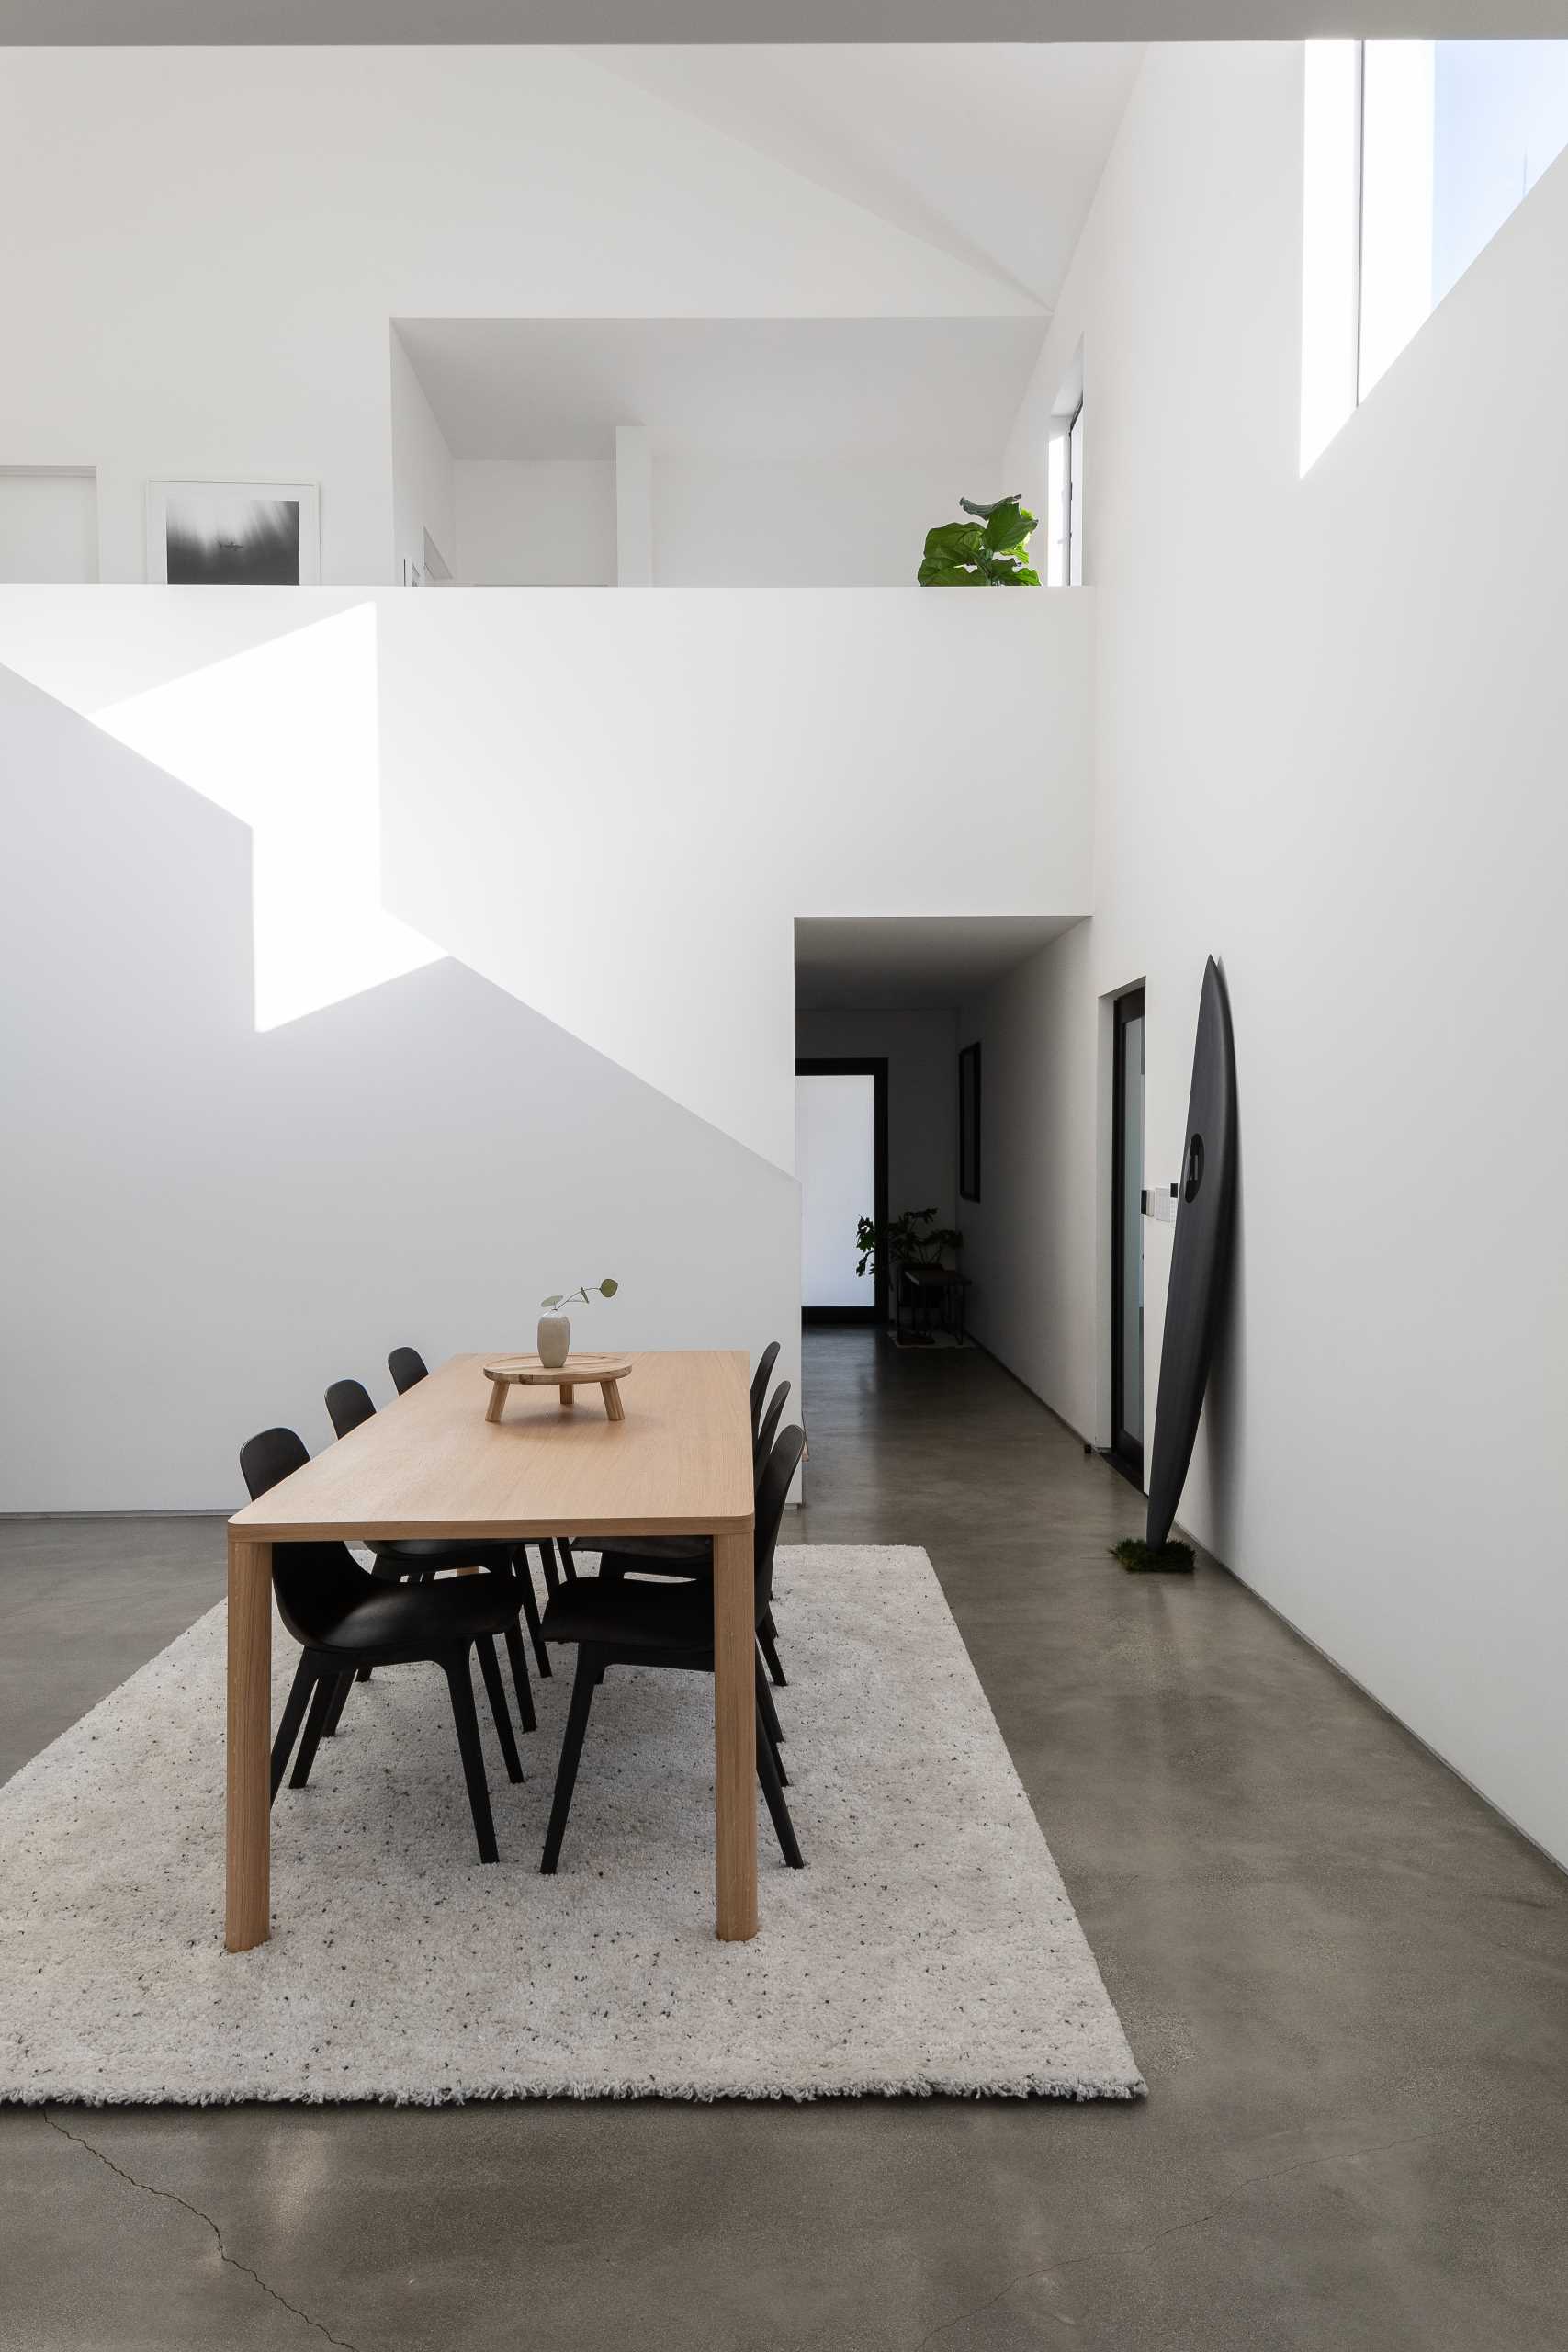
x=577 y=1372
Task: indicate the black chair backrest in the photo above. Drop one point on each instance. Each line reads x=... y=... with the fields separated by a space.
x=772 y=1493
x=348 y=1404
x=764 y=1444
x=314 y=1582
x=407 y=1367
x=265 y=1460
x=765 y=1363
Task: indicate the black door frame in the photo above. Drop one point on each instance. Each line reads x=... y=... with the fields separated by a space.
x=1125 y=1451
x=875 y=1068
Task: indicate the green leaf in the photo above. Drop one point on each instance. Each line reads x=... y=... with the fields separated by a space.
x=954 y=543
x=971 y=506
x=609 y=1287
x=1024 y=577
x=554 y=1300
x=948 y=575
x=1007 y=527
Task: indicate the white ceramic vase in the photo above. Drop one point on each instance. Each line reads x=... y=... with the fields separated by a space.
x=554 y=1340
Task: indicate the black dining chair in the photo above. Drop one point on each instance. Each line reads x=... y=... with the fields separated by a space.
x=344 y=1618
x=625 y=1620
x=689 y=1556
x=417 y=1559
x=407 y=1367
x=759 y=1380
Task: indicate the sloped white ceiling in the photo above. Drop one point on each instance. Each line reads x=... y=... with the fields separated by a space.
x=992 y=153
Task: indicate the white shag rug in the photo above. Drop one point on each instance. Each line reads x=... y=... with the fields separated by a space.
x=928 y=1945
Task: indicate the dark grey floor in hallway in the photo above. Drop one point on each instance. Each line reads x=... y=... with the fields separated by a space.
x=1344 y=1978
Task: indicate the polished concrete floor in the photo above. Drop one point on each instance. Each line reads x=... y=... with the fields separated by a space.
x=1347 y=1981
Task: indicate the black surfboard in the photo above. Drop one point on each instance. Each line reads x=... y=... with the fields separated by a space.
x=1205 y=1224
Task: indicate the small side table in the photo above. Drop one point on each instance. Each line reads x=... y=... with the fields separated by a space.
x=929 y=1286
x=577 y=1372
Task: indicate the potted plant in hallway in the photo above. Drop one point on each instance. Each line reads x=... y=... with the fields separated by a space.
x=555 y=1330
x=992 y=551
x=911 y=1239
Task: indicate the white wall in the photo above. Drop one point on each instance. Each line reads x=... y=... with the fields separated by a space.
x=726 y=524
x=228 y=1219
x=1330 y=719
x=233 y=320
x=549 y=523
x=921 y=1052
x=424 y=495
x=719 y=524
x=610 y=808
x=1031 y=1241
x=638 y=794
x=48 y=524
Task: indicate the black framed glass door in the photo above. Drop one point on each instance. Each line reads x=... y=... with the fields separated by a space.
x=1127 y=1236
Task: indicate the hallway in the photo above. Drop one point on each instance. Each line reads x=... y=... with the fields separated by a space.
x=1342 y=1974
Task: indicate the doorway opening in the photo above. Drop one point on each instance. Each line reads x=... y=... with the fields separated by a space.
x=1127 y=1236
x=841 y=1131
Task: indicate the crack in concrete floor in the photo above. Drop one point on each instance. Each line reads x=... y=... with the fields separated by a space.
x=151 y=2188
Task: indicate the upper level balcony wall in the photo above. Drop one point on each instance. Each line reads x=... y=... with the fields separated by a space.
x=613 y=806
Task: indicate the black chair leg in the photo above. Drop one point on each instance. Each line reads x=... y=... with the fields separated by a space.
x=767 y=1772
x=552 y=1572
x=365 y=1673
x=768 y=1637
x=588 y=1673
x=767 y=1716
x=523 y=1571
x=322 y=1699
x=460 y=1683
x=524 y=1689
x=490 y=1667
x=340 y=1701
x=294 y=1707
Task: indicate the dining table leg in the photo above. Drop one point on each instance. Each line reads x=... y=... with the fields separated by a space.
x=247 y=1910
x=734 y=1735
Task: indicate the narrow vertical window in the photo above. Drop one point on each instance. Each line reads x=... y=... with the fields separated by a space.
x=1057 y=512
x=1331 y=228
x=1415 y=152
x=1074 y=500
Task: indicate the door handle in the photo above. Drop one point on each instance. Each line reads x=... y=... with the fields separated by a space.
x=1194 y=1166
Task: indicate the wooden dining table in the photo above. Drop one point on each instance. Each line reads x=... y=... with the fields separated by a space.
x=432 y=1464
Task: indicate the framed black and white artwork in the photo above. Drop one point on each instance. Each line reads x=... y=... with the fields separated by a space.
x=233 y=534
x=969 y=1123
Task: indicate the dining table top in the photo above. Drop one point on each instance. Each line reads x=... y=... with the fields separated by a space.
x=431 y=1464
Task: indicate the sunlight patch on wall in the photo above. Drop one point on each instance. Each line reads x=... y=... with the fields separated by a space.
x=284 y=737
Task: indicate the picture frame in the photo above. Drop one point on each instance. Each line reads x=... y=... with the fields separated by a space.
x=233 y=534
x=969 y=1123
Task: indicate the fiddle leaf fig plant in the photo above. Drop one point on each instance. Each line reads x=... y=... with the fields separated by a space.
x=991 y=552
x=559 y=1300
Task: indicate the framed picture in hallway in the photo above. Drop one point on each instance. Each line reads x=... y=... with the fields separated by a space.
x=969 y=1123
x=233 y=534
